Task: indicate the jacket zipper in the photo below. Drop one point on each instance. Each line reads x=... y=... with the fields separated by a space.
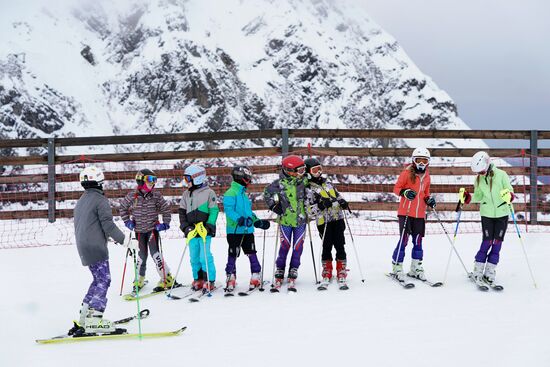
x=418 y=195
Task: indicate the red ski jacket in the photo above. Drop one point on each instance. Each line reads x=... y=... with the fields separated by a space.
x=421 y=185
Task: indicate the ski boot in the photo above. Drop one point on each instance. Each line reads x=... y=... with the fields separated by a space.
x=78 y=328
x=279 y=277
x=94 y=323
x=477 y=274
x=490 y=273
x=255 y=281
x=140 y=283
x=230 y=283
x=417 y=271
x=397 y=272
x=163 y=285
x=326 y=274
x=341 y=273
x=208 y=286
x=292 y=275
x=197 y=284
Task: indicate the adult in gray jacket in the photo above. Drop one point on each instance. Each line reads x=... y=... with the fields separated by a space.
x=93 y=224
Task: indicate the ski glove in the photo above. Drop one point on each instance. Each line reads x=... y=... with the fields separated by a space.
x=408 y=194
x=162 y=226
x=210 y=229
x=430 y=201
x=324 y=203
x=277 y=209
x=187 y=229
x=464 y=196
x=262 y=224
x=130 y=224
x=507 y=195
x=343 y=204
x=244 y=222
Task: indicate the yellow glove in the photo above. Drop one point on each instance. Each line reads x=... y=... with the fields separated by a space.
x=507 y=196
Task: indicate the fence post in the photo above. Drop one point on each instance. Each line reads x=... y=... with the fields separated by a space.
x=51 y=180
x=533 y=180
x=284 y=142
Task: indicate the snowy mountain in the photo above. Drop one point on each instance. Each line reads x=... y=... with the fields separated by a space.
x=104 y=68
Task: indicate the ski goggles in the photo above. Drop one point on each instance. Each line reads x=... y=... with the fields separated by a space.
x=147 y=178
x=188 y=180
x=421 y=160
x=299 y=170
x=316 y=171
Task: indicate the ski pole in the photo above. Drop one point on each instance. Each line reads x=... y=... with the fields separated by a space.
x=177 y=272
x=125 y=262
x=202 y=234
x=522 y=245
x=312 y=254
x=136 y=289
x=275 y=254
x=262 y=272
x=354 y=247
x=452 y=242
x=402 y=233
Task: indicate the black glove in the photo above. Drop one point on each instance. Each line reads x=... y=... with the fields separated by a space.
x=246 y=222
x=210 y=229
x=343 y=204
x=186 y=229
x=262 y=224
x=408 y=194
x=324 y=203
x=430 y=201
x=277 y=209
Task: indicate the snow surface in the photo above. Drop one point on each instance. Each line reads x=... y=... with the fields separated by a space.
x=373 y=324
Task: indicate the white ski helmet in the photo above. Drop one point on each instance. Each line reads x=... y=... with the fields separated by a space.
x=424 y=155
x=480 y=162
x=91 y=177
x=195 y=174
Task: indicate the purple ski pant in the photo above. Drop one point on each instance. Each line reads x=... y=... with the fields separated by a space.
x=96 y=297
x=291 y=237
x=484 y=255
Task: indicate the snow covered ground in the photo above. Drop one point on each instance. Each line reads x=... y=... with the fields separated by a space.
x=373 y=324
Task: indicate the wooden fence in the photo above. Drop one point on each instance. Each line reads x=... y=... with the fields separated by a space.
x=284 y=139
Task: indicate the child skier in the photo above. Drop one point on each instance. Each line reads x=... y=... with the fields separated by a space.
x=140 y=210
x=326 y=204
x=199 y=205
x=413 y=186
x=241 y=221
x=93 y=223
x=492 y=189
x=285 y=197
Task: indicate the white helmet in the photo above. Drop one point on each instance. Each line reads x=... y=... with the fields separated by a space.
x=425 y=156
x=91 y=177
x=480 y=162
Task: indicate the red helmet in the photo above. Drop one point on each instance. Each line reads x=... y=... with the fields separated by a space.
x=294 y=166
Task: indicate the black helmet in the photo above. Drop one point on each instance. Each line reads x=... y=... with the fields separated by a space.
x=311 y=162
x=145 y=174
x=242 y=175
x=311 y=171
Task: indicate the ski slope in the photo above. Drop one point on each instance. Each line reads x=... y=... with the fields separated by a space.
x=373 y=324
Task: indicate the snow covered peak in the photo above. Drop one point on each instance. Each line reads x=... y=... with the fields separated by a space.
x=103 y=67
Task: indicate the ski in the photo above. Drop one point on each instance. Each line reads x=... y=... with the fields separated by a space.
x=323 y=286
x=480 y=284
x=291 y=286
x=202 y=294
x=343 y=286
x=493 y=286
x=402 y=283
x=133 y=296
x=191 y=293
x=427 y=282
x=115 y=335
x=251 y=290
x=229 y=293
x=144 y=314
